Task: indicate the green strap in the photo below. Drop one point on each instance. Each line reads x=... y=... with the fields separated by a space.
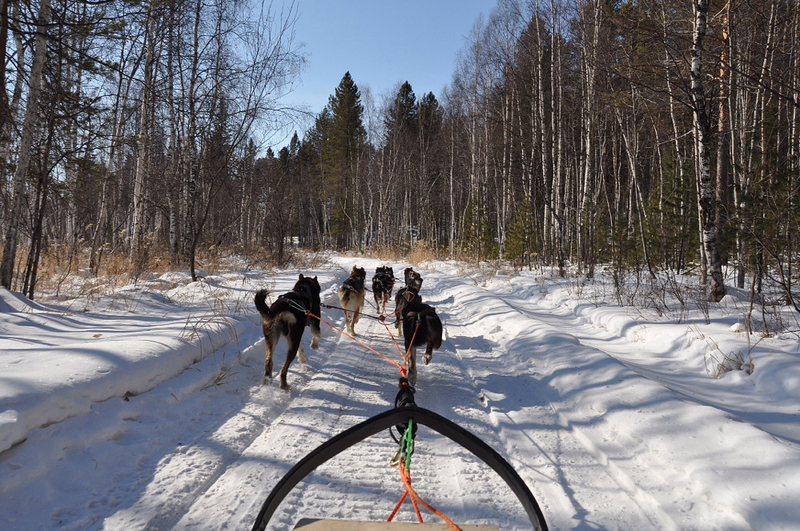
x=406 y=449
x=408 y=442
x=296 y=305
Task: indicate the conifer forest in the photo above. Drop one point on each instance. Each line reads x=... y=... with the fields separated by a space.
x=655 y=136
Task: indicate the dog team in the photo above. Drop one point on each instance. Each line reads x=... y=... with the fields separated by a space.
x=291 y=312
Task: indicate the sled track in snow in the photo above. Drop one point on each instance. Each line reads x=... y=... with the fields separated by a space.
x=560 y=456
x=618 y=463
x=234 y=443
x=352 y=385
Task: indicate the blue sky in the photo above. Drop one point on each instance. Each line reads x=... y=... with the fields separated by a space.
x=381 y=43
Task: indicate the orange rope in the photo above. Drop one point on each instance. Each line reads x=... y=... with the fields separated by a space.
x=400 y=504
x=376 y=317
x=393 y=339
x=406 y=477
x=403 y=370
x=397 y=507
x=404 y=474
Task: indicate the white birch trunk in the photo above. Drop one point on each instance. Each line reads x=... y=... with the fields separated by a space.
x=29 y=126
x=702 y=129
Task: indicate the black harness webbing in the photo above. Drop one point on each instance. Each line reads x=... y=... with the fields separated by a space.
x=378 y=423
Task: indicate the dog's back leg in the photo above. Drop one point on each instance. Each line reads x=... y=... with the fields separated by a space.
x=315 y=333
x=428 y=353
x=412 y=365
x=348 y=322
x=269 y=340
x=356 y=317
x=301 y=353
x=294 y=339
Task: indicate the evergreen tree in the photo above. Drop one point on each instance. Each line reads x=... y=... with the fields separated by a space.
x=346 y=137
x=401 y=117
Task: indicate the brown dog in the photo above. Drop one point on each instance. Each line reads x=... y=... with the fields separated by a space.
x=351 y=295
x=287 y=317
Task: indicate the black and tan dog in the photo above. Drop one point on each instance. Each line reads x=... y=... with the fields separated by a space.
x=421 y=326
x=413 y=285
x=382 y=286
x=351 y=295
x=287 y=317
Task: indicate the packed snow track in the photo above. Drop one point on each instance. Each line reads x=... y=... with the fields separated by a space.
x=203 y=450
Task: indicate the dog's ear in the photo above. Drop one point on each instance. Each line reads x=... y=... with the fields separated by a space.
x=301 y=276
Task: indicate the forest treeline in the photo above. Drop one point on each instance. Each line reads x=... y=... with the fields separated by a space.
x=646 y=135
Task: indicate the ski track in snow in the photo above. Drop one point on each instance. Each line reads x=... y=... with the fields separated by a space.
x=209 y=459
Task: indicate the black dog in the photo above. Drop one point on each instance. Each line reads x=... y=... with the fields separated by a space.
x=412 y=278
x=287 y=317
x=421 y=326
x=413 y=285
x=382 y=286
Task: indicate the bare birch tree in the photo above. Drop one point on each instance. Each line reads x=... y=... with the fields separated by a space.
x=703 y=133
x=29 y=126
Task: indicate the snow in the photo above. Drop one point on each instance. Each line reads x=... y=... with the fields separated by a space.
x=139 y=406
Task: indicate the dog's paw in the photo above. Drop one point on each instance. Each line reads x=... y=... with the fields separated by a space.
x=427 y=358
x=266 y=380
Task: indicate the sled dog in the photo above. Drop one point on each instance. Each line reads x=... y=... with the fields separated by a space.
x=413 y=285
x=287 y=317
x=382 y=286
x=351 y=295
x=421 y=326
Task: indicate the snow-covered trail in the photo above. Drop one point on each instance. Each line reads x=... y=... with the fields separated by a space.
x=477 y=381
x=349 y=385
x=586 y=473
x=687 y=458
x=647 y=350
x=575 y=422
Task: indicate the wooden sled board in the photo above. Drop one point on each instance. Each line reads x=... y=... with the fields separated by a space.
x=309 y=524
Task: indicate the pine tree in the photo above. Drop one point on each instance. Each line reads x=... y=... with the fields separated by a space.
x=345 y=140
x=401 y=117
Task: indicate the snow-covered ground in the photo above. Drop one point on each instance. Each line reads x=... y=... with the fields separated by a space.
x=141 y=408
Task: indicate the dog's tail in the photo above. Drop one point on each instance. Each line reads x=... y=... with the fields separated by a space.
x=261 y=304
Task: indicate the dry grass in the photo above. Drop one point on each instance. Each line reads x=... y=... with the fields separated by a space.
x=61 y=265
x=423 y=251
x=220 y=379
x=387 y=254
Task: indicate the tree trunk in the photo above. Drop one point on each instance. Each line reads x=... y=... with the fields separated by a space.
x=26 y=141
x=702 y=130
x=143 y=158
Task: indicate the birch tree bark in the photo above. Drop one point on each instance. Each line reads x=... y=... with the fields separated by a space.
x=702 y=131
x=589 y=60
x=142 y=161
x=26 y=140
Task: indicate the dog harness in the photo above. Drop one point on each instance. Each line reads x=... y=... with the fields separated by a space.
x=298 y=300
